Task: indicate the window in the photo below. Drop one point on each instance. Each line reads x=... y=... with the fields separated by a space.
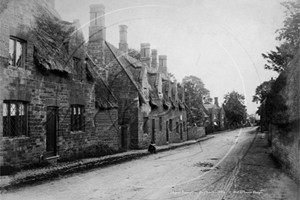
x=77 y=67
x=160 y=124
x=16 y=52
x=184 y=128
x=177 y=127
x=15 y=119
x=77 y=118
x=145 y=126
x=171 y=125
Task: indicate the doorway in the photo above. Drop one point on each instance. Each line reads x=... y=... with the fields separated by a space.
x=51 y=131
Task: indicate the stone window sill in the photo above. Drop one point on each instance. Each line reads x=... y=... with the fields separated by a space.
x=77 y=132
x=15 y=138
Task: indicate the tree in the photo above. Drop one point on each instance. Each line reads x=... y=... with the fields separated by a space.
x=289 y=35
x=262 y=91
x=194 y=91
x=235 y=110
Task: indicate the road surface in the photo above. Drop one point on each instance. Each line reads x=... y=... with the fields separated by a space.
x=206 y=170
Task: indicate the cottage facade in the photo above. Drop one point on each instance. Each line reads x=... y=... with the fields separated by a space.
x=53 y=105
x=151 y=106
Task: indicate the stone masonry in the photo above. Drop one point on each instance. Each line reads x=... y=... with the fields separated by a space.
x=41 y=89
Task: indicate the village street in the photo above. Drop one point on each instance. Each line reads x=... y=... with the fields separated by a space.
x=224 y=167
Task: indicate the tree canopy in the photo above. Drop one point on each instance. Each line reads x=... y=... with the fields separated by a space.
x=235 y=110
x=262 y=91
x=194 y=92
x=289 y=35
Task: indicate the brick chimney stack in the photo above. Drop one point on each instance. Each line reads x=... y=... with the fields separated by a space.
x=216 y=101
x=97 y=23
x=154 y=58
x=123 y=46
x=162 y=68
x=145 y=53
x=97 y=37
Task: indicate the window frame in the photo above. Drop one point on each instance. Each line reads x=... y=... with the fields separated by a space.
x=20 y=121
x=78 y=119
x=13 y=58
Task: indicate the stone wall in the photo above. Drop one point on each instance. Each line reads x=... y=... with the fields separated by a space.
x=286 y=148
x=195 y=132
x=285 y=133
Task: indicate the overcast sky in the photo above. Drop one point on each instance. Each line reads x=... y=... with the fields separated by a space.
x=216 y=40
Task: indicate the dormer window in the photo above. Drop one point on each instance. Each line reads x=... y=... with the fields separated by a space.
x=16 y=52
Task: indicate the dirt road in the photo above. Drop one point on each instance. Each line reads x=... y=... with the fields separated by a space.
x=212 y=169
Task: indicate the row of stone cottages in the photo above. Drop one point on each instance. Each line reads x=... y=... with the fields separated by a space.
x=62 y=98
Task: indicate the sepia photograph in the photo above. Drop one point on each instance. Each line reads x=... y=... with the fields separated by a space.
x=149 y=99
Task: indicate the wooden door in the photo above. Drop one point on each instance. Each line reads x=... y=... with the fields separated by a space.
x=51 y=129
x=153 y=130
x=181 y=138
x=167 y=131
x=124 y=136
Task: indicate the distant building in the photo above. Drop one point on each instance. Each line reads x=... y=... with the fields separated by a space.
x=216 y=116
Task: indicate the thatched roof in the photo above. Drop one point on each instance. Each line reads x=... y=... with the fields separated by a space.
x=49 y=36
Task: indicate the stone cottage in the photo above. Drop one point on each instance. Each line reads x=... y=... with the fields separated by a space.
x=216 y=116
x=53 y=102
x=151 y=106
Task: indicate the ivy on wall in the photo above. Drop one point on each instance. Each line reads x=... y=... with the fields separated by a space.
x=276 y=109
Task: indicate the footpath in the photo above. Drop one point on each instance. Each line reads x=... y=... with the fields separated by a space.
x=31 y=176
x=260 y=176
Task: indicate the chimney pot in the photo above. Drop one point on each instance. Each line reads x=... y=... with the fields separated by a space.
x=123 y=46
x=97 y=22
x=154 y=58
x=216 y=101
x=163 y=65
x=145 y=50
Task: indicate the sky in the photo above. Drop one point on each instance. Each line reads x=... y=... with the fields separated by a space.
x=219 y=41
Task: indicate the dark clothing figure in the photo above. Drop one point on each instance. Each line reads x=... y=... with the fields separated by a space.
x=151 y=148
